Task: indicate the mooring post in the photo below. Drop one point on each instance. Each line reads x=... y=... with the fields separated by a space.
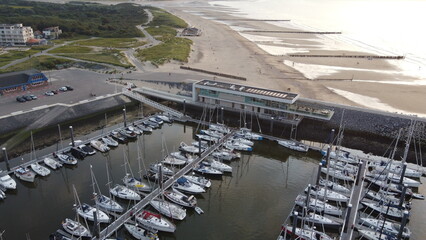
x=403 y=192
x=221 y=115
x=293 y=231
x=404 y=168
x=272 y=124
x=124 y=117
x=348 y=215
x=403 y=222
x=184 y=106
x=358 y=176
x=6 y=158
x=319 y=175
x=95 y=223
x=308 y=195
x=72 y=136
x=199 y=147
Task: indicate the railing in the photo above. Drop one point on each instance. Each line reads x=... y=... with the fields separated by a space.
x=152 y=103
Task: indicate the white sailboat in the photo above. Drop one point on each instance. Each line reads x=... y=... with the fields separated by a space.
x=217 y=165
x=318 y=206
x=102 y=201
x=233 y=144
x=322 y=194
x=75 y=228
x=86 y=211
x=294 y=145
x=170 y=160
x=180 y=198
x=387 y=227
x=220 y=128
x=248 y=134
x=201 y=181
x=124 y=193
x=156 y=168
x=182 y=184
x=140 y=233
x=168 y=209
x=212 y=133
x=152 y=220
x=388 y=211
x=334 y=186
x=188 y=148
x=66 y=159
x=203 y=169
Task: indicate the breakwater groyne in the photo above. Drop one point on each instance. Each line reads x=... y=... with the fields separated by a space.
x=214 y=73
x=346 y=56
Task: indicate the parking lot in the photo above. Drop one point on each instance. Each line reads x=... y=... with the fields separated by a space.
x=85 y=85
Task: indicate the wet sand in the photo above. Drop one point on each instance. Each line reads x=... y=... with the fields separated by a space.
x=222 y=49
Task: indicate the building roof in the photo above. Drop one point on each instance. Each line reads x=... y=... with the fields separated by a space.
x=250 y=90
x=15 y=78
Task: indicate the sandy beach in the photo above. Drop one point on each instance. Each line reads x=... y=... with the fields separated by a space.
x=227 y=46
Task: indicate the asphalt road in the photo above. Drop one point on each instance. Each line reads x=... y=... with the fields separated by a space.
x=84 y=83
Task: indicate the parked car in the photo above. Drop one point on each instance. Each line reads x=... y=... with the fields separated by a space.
x=49 y=93
x=63 y=89
x=34 y=97
x=20 y=99
x=27 y=97
x=69 y=88
x=54 y=91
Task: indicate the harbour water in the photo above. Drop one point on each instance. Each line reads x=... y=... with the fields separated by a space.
x=249 y=204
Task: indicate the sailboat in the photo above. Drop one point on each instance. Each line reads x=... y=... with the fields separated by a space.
x=75 y=228
x=182 y=184
x=318 y=206
x=180 y=198
x=102 y=201
x=130 y=181
x=36 y=167
x=201 y=181
x=140 y=233
x=152 y=220
x=387 y=227
x=87 y=212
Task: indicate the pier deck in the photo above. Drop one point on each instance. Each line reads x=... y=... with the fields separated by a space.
x=114 y=226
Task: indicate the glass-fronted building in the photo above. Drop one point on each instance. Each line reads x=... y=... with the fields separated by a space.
x=266 y=102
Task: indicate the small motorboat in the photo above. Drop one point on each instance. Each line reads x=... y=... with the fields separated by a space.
x=77 y=153
x=201 y=181
x=39 y=169
x=165 y=170
x=152 y=220
x=87 y=149
x=52 y=163
x=6 y=181
x=128 y=134
x=182 y=184
x=107 y=203
x=124 y=193
x=140 y=233
x=118 y=137
x=66 y=159
x=189 y=149
x=109 y=141
x=217 y=165
x=294 y=145
x=136 y=130
x=180 y=198
x=86 y=211
x=25 y=174
x=168 y=209
x=203 y=169
x=136 y=184
x=100 y=146
x=75 y=228
x=144 y=128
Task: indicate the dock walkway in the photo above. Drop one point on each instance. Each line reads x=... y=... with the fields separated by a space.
x=114 y=226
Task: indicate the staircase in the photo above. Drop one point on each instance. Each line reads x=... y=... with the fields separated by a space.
x=151 y=103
